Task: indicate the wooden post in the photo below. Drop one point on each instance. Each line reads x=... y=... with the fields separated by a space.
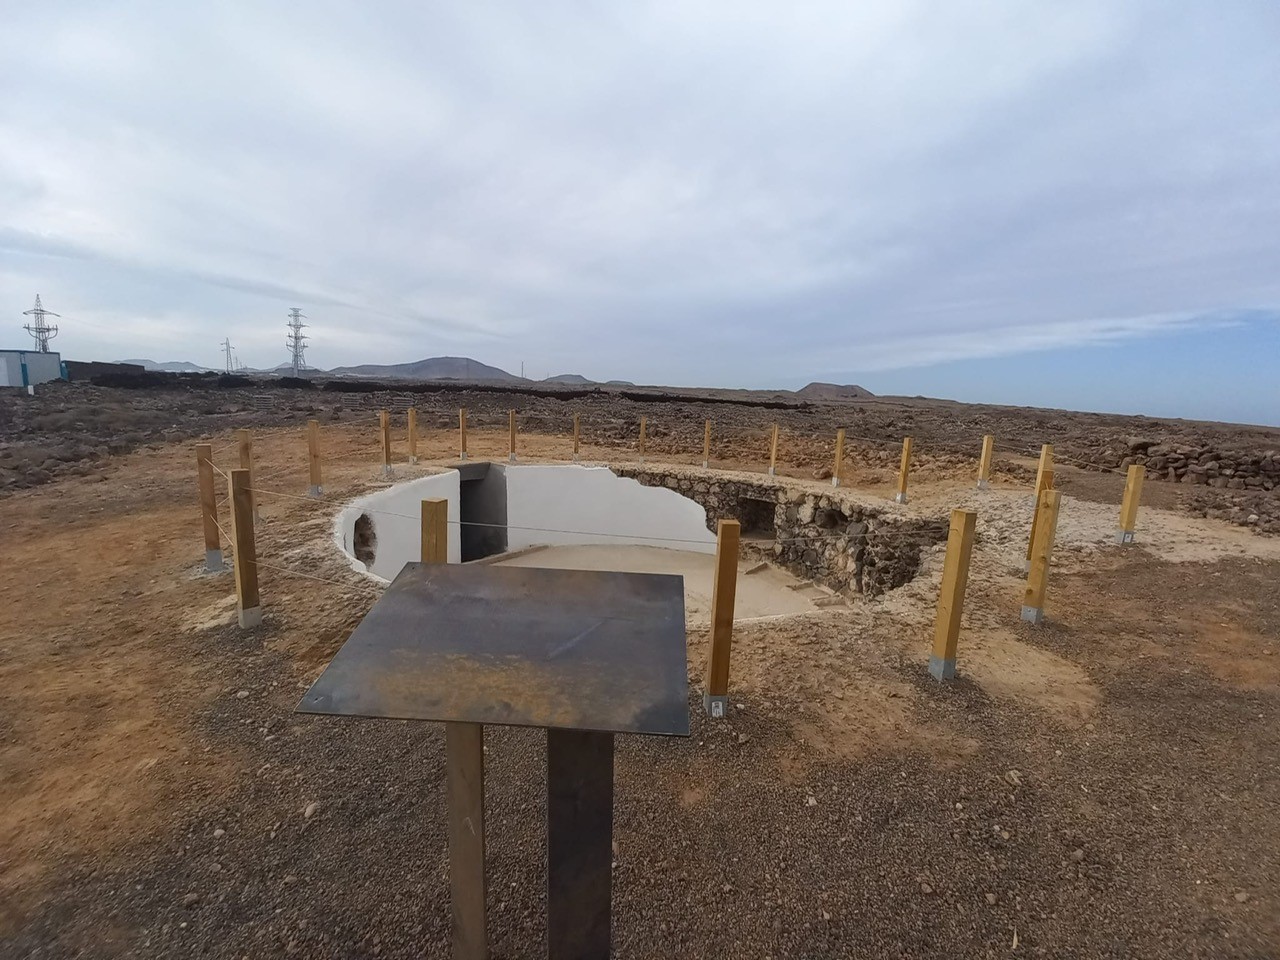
x=464 y=772
x=245 y=439
x=1042 y=552
x=839 y=467
x=245 y=560
x=464 y=775
x=384 y=427
x=1046 y=462
x=773 y=452
x=577 y=435
x=955 y=575
x=1129 y=506
x=208 y=508
x=904 y=469
x=1043 y=481
x=643 y=423
x=413 y=434
x=511 y=423
x=724 y=591
x=706 y=446
x=984 y=464
x=435 y=531
x=462 y=433
x=313 y=457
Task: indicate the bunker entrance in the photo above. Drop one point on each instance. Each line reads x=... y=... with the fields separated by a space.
x=483 y=495
x=757 y=518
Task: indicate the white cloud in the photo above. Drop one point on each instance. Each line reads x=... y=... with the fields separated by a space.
x=735 y=194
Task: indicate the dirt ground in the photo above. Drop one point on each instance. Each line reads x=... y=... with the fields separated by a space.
x=1106 y=784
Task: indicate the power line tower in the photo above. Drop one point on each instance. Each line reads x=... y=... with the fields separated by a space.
x=226 y=352
x=296 y=341
x=41 y=331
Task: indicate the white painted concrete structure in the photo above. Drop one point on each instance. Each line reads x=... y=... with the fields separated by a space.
x=396 y=514
x=600 y=507
x=546 y=505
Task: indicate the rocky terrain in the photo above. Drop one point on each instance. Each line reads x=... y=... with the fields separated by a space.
x=1222 y=471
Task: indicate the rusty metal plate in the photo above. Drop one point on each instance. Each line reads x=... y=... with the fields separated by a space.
x=567 y=649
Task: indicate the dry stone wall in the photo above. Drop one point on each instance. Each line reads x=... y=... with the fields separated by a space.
x=828 y=538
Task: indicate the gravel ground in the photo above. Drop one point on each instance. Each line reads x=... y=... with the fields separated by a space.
x=160 y=799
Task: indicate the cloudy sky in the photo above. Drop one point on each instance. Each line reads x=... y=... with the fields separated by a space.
x=1070 y=204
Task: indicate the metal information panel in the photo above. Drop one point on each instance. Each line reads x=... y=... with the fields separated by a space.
x=585 y=654
x=564 y=649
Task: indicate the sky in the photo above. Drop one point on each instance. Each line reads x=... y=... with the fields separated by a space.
x=1072 y=205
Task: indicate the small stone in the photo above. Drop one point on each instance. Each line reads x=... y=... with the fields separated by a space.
x=1077 y=855
x=1242 y=897
x=1014 y=777
x=242 y=695
x=290 y=879
x=991 y=899
x=811 y=801
x=925 y=888
x=219 y=833
x=190 y=900
x=825 y=915
x=310 y=809
x=743 y=738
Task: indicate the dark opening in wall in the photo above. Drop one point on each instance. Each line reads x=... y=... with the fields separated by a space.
x=483 y=493
x=365 y=547
x=757 y=518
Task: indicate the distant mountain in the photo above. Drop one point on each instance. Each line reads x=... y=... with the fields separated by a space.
x=169 y=366
x=618 y=383
x=834 y=391
x=435 y=368
x=576 y=379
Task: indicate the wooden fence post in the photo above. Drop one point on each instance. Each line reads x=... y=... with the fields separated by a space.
x=384 y=428
x=1044 y=481
x=1042 y=552
x=724 y=591
x=245 y=560
x=313 y=457
x=1129 y=507
x=577 y=435
x=208 y=508
x=413 y=434
x=643 y=424
x=955 y=575
x=245 y=439
x=904 y=469
x=984 y=464
x=462 y=433
x=511 y=423
x=435 y=531
x=706 y=446
x=773 y=452
x=839 y=467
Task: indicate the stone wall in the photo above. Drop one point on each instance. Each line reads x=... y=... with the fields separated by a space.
x=828 y=538
x=1249 y=480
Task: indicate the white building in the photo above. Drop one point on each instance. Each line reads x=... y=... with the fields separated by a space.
x=24 y=368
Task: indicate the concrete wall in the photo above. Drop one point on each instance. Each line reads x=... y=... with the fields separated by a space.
x=606 y=507
x=395 y=513
x=41 y=367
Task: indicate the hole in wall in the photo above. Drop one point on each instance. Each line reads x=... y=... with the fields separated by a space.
x=365 y=546
x=758 y=518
